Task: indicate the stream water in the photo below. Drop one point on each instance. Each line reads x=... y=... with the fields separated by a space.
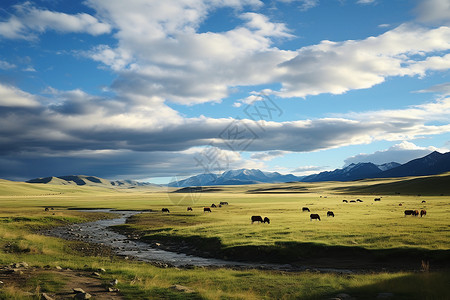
x=100 y=233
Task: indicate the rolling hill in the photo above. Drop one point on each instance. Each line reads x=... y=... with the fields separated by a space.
x=83 y=180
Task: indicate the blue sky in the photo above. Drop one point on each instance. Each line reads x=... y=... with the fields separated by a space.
x=148 y=90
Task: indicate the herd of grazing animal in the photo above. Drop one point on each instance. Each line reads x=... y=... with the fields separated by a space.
x=313 y=216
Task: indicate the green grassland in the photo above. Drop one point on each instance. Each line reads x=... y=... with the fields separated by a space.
x=366 y=232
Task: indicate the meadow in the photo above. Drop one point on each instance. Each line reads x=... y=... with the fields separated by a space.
x=384 y=248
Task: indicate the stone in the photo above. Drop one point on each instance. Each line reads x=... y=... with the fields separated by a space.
x=101 y=270
x=96 y=274
x=110 y=289
x=78 y=290
x=46 y=297
x=58 y=268
x=181 y=288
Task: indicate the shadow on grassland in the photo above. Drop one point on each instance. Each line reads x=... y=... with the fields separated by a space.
x=427 y=186
x=320 y=255
x=308 y=254
x=421 y=286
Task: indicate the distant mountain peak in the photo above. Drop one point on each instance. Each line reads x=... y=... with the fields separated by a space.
x=235 y=177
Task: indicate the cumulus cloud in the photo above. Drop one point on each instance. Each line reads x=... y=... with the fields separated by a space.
x=269 y=155
x=337 y=67
x=29 y=20
x=400 y=153
x=161 y=53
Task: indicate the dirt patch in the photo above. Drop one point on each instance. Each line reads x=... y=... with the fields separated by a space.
x=20 y=279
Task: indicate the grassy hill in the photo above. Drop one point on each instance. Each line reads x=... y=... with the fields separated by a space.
x=434 y=185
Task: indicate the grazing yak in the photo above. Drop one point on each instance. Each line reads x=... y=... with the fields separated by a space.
x=359 y=200
x=46 y=209
x=423 y=212
x=345 y=201
x=423 y=201
x=213 y=205
x=400 y=204
x=189 y=208
x=205 y=209
x=314 y=217
x=223 y=203
x=305 y=209
x=165 y=210
x=257 y=219
x=352 y=201
x=266 y=220
x=330 y=214
x=377 y=199
x=411 y=212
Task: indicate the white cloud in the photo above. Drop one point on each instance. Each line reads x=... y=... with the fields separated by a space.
x=29 y=20
x=337 y=67
x=4 y=65
x=269 y=155
x=13 y=97
x=400 y=153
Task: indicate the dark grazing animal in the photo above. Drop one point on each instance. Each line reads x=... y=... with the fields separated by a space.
x=330 y=214
x=345 y=201
x=411 y=212
x=223 y=203
x=213 y=205
x=266 y=220
x=359 y=200
x=305 y=209
x=205 y=209
x=257 y=219
x=377 y=199
x=352 y=201
x=189 y=208
x=46 y=209
x=314 y=217
x=165 y=210
x=423 y=212
x=400 y=204
x=423 y=201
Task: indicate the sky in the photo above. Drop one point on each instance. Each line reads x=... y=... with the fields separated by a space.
x=156 y=90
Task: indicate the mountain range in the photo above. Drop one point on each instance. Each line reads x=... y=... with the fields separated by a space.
x=431 y=164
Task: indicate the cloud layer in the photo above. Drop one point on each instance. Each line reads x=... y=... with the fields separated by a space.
x=162 y=54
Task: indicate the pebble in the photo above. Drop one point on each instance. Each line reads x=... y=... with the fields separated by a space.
x=46 y=297
x=78 y=291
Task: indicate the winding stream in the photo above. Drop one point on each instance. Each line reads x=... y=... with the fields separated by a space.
x=98 y=232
